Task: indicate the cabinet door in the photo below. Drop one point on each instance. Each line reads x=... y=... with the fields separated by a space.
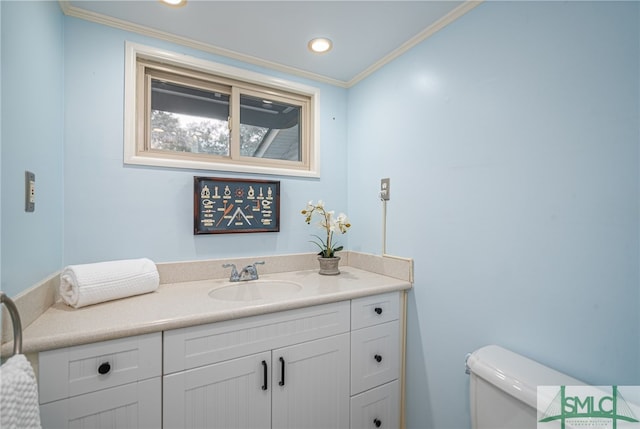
x=134 y=405
x=225 y=395
x=311 y=385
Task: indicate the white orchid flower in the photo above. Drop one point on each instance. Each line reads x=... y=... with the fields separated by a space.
x=343 y=222
x=330 y=223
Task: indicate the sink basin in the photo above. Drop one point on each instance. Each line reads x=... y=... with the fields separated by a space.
x=255 y=290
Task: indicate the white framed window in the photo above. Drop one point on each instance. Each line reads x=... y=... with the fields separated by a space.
x=184 y=112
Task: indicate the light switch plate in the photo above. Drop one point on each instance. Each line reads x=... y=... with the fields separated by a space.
x=29 y=191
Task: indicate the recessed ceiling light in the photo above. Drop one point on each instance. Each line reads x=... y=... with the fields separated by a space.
x=320 y=45
x=174 y=3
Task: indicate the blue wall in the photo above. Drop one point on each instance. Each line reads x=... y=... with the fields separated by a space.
x=32 y=139
x=114 y=211
x=511 y=138
x=511 y=141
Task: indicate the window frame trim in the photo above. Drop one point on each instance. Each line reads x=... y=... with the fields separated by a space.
x=131 y=92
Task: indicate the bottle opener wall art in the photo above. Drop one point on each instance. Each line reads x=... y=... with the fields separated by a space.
x=222 y=206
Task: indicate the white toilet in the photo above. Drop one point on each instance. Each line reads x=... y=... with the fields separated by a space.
x=503 y=388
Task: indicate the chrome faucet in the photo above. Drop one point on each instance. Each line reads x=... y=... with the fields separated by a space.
x=250 y=272
x=234 y=277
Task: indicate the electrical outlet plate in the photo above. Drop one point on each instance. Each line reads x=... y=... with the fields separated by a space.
x=29 y=191
x=385 y=189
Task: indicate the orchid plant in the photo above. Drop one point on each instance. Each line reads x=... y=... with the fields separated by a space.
x=330 y=223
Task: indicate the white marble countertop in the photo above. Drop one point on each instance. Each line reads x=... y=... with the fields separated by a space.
x=178 y=305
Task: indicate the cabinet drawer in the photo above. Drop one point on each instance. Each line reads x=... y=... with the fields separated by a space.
x=76 y=370
x=134 y=405
x=196 y=346
x=373 y=310
x=374 y=356
x=377 y=408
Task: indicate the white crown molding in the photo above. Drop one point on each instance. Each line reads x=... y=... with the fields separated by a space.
x=76 y=12
x=420 y=37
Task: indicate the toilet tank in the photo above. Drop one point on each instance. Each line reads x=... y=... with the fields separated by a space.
x=503 y=388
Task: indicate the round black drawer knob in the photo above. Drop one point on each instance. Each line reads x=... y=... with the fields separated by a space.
x=104 y=368
x=378 y=310
x=378 y=358
x=377 y=423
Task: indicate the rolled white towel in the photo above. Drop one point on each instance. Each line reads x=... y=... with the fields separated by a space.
x=87 y=284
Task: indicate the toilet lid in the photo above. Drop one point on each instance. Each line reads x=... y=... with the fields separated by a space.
x=515 y=374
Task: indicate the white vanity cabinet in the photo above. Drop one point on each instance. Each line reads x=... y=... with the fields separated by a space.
x=282 y=370
x=375 y=361
x=333 y=365
x=112 y=384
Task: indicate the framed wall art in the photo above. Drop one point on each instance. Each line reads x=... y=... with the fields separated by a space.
x=222 y=206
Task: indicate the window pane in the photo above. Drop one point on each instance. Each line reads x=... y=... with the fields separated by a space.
x=188 y=113
x=188 y=119
x=269 y=129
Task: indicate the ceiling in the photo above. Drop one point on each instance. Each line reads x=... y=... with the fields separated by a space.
x=274 y=34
